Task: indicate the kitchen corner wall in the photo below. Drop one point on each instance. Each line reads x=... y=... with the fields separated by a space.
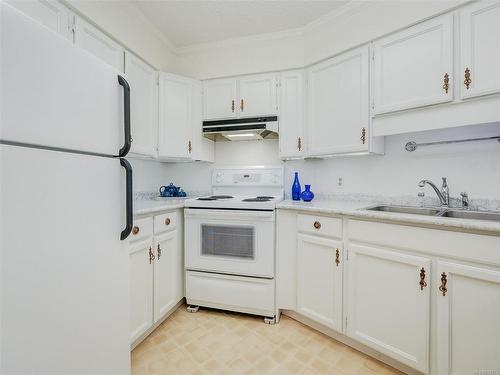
x=473 y=167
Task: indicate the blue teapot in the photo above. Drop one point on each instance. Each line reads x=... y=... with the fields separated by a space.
x=169 y=191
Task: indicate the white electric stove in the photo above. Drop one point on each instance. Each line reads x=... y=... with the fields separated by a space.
x=230 y=242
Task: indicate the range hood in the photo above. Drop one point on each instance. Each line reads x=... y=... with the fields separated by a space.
x=242 y=129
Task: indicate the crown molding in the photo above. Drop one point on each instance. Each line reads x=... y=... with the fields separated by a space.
x=345 y=10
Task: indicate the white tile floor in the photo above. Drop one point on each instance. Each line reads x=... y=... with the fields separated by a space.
x=217 y=342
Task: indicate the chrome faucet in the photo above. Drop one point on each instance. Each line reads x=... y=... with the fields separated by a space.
x=443 y=195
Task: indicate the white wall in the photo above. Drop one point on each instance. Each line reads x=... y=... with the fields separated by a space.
x=473 y=167
x=349 y=26
x=122 y=21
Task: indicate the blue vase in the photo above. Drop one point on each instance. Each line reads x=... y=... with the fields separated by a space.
x=307 y=195
x=296 y=188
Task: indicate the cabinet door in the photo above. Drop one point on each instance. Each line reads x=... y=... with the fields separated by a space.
x=141 y=289
x=175 y=117
x=468 y=319
x=257 y=95
x=50 y=13
x=219 y=99
x=388 y=308
x=410 y=66
x=291 y=115
x=203 y=148
x=144 y=105
x=168 y=274
x=99 y=44
x=480 y=49
x=338 y=104
x=319 y=280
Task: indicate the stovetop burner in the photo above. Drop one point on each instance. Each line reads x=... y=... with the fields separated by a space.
x=215 y=197
x=258 y=199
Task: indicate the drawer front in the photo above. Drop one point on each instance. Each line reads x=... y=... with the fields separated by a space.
x=166 y=222
x=320 y=225
x=235 y=293
x=142 y=228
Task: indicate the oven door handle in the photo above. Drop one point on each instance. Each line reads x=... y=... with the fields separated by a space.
x=228 y=214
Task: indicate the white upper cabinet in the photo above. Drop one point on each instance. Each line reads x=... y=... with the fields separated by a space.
x=319 y=280
x=246 y=96
x=144 y=105
x=468 y=320
x=257 y=95
x=203 y=148
x=99 y=44
x=219 y=99
x=50 y=13
x=338 y=110
x=479 y=49
x=291 y=115
x=414 y=67
x=388 y=304
x=175 y=119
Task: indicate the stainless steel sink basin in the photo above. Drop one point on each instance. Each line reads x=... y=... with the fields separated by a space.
x=475 y=215
x=439 y=212
x=407 y=210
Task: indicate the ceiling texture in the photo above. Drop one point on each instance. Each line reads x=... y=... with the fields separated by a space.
x=187 y=22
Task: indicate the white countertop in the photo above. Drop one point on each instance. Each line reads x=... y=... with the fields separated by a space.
x=356 y=209
x=157 y=204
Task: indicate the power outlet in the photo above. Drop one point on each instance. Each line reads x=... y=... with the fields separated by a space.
x=340 y=183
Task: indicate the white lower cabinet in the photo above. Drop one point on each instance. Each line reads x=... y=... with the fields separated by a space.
x=156 y=271
x=141 y=289
x=319 y=280
x=468 y=319
x=388 y=304
x=168 y=269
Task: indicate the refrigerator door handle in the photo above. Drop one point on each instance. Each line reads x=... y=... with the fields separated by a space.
x=129 y=200
x=126 y=109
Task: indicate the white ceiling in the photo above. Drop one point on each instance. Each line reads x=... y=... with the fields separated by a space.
x=185 y=22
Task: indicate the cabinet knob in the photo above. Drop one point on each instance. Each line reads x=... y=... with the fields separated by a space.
x=232 y=105
x=242 y=105
x=446 y=83
x=299 y=144
x=363 y=135
x=467 y=79
x=151 y=255
x=190 y=147
x=317 y=225
x=167 y=221
x=337 y=257
x=135 y=230
x=159 y=252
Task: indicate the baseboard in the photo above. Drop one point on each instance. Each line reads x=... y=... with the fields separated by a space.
x=157 y=324
x=350 y=342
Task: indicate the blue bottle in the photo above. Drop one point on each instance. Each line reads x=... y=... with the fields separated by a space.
x=296 y=188
x=307 y=195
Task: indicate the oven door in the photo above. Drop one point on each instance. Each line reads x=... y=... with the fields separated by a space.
x=235 y=242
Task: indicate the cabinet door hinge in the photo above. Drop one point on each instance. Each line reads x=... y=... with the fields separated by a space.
x=373 y=54
x=346 y=253
x=72 y=26
x=346 y=321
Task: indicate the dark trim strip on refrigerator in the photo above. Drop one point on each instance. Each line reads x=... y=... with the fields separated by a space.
x=129 y=199
x=126 y=110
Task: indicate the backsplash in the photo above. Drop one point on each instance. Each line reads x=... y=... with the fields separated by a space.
x=472 y=167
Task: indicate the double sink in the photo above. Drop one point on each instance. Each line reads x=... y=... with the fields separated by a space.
x=439 y=212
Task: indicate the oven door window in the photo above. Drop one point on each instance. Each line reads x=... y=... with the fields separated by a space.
x=228 y=241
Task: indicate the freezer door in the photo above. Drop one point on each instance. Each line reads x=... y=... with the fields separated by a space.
x=64 y=271
x=56 y=94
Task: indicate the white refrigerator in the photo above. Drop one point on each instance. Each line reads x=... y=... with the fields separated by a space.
x=65 y=206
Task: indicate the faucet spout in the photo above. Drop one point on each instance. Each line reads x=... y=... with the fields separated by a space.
x=443 y=196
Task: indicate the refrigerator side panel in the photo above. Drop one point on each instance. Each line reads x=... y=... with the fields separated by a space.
x=55 y=94
x=65 y=272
